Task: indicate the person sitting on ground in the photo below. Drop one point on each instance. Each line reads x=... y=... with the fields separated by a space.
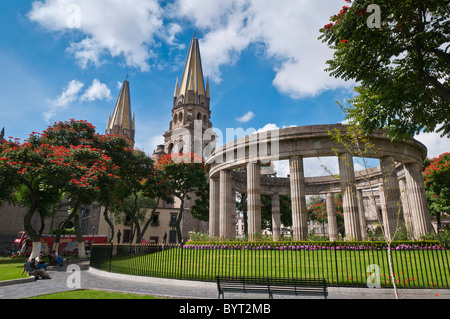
x=54 y=256
x=40 y=263
x=31 y=269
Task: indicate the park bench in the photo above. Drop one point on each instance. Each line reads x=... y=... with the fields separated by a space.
x=280 y=286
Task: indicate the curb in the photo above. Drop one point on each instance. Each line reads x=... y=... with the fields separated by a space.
x=17 y=281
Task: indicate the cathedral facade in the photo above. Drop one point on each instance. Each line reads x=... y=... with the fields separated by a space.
x=190 y=122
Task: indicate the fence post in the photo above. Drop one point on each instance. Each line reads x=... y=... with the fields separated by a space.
x=336 y=263
x=110 y=257
x=181 y=261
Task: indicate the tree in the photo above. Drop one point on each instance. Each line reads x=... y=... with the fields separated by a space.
x=34 y=177
x=401 y=65
x=141 y=187
x=186 y=175
x=437 y=186
x=86 y=166
x=318 y=211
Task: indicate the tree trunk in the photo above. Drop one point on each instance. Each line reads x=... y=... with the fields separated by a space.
x=35 y=237
x=81 y=250
x=109 y=222
x=178 y=221
x=59 y=232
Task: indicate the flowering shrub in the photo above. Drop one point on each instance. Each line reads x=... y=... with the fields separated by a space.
x=318 y=212
x=437 y=185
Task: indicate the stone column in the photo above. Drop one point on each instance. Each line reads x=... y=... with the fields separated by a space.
x=392 y=213
x=415 y=191
x=405 y=206
x=349 y=201
x=214 y=206
x=362 y=214
x=225 y=204
x=331 y=216
x=298 y=198
x=276 y=219
x=233 y=219
x=254 y=199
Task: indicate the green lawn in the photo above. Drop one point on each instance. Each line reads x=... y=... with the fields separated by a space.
x=411 y=268
x=93 y=294
x=11 y=268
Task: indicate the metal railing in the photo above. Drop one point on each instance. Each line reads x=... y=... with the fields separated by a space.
x=342 y=264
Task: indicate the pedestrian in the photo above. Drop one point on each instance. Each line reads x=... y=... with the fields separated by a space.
x=31 y=269
x=119 y=234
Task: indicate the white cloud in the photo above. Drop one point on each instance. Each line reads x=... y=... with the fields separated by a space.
x=288 y=30
x=435 y=144
x=97 y=91
x=69 y=95
x=246 y=117
x=116 y=28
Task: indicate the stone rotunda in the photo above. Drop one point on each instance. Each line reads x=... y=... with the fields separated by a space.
x=397 y=182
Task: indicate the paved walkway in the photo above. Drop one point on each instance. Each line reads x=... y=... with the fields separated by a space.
x=94 y=279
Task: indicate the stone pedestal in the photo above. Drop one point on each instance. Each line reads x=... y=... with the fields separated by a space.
x=254 y=199
x=349 y=201
x=298 y=198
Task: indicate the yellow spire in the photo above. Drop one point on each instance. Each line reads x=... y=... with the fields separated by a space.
x=177 y=89
x=121 y=122
x=193 y=73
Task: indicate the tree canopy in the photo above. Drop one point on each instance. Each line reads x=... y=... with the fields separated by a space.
x=397 y=53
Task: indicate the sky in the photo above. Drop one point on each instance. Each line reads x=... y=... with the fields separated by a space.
x=63 y=59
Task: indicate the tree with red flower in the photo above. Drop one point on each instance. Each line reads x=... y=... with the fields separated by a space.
x=437 y=186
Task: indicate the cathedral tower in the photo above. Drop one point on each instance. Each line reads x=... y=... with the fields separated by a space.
x=121 y=122
x=190 y=128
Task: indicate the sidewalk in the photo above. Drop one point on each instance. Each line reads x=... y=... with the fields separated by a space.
x=100 y=280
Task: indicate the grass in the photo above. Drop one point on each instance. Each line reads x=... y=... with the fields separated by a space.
x=11 y=268
x=93 y=294
x=412 y=268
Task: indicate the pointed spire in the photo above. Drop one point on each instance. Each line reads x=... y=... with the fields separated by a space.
x=208 y=96
x=193 y=73
x=121 y=122
x=177 y=90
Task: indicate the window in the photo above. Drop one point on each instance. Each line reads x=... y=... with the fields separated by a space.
x=155 y=219
x=173 y=219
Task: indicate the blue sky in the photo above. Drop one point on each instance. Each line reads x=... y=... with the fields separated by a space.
x=65 y=59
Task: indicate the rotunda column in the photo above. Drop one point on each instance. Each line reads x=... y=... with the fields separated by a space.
x=392 y=212
x=214 y=206
x=276 y=219
x=225 y=210
x=362 y=214
x=298 y=198
x=405 y=206
x=331 y=216
x=349 y=201
x=254 y=199
x=415 y=191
